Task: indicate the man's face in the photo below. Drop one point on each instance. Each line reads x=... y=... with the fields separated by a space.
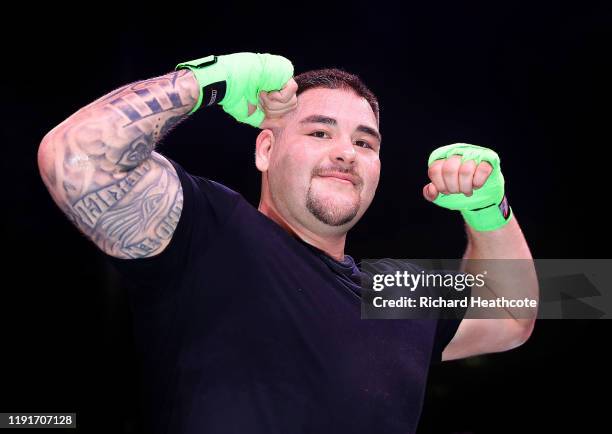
x=325 y=166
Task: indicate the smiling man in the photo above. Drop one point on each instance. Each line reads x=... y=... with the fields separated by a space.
x=248 y=320
x=321 y=170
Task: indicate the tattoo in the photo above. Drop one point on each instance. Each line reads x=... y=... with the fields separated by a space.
x=137 y=151
x=104 y=173
x=149 y=100
x=168 y=224
x=170 y=123
x=69 y=188
x=145 y=245
x=124 y=126
x=136 y=216
x=90 y=207
x=164 y=87
x=127 y=109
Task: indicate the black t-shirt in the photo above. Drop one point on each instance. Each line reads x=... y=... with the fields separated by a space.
x=241 y=327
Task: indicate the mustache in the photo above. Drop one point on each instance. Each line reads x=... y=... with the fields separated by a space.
x=325 y=171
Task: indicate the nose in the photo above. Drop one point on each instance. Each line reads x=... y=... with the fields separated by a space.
x=344 y=152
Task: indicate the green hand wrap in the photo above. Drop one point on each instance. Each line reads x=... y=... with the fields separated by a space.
x=236 y=79
x=487 y=209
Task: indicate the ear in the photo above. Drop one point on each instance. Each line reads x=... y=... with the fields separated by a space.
x=263 y=149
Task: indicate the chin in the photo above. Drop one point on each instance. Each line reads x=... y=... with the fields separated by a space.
x=333 y=213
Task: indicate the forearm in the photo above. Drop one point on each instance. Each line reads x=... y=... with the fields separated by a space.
x=124 y=125
x=100 y=166
x=115 y=133
x=505 y=255
x=507 y=242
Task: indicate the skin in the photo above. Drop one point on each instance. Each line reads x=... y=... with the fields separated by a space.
x=301 y=160
x=518 y=279
x=289 y=155
x=451 y=176
x=100 y=167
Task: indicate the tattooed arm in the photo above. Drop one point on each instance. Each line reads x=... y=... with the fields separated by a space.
x=101 y=169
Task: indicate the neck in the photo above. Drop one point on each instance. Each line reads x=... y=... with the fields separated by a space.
x=331 y=244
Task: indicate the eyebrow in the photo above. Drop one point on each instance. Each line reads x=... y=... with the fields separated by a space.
x=320 y=119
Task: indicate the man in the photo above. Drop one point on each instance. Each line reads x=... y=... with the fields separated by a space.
x=248 y=320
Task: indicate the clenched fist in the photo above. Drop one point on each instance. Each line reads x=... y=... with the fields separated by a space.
x=468 y=178
x=276 y=104
x=235 y=81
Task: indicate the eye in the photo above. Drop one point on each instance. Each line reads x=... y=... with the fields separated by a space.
x=363 y=144
x=316 y=134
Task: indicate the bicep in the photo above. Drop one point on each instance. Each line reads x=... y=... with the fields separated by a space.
x=127 y=214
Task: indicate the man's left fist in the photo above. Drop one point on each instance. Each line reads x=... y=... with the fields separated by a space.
x=468 y=178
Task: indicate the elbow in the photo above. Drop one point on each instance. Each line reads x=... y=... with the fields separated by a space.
x=44 y=159
x=43 y=150
x=519 y=333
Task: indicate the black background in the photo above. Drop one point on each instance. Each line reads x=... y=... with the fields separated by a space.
x=527 y=79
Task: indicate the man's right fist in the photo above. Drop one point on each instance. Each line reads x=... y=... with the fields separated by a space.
x=276 y=104
x=240 y=77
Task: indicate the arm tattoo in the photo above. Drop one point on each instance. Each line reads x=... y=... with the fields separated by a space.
x=122 y=128
x=136 y=152
x=101 y=168
x=134 y=216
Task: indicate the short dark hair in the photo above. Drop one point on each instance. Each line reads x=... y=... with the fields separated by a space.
x=333 y=78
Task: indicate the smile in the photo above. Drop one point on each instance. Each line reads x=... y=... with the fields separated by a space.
x=338 y=176
x=334 y=178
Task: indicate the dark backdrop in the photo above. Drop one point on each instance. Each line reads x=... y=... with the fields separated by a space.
x=528 y=79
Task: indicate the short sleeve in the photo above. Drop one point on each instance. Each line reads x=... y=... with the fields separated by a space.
x=207 y=206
